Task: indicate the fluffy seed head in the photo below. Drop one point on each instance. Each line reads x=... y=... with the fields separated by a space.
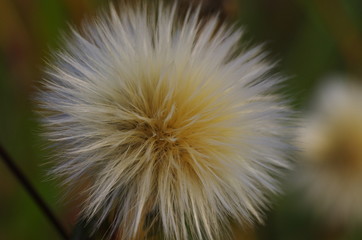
x=172 y=126
x=331 y=141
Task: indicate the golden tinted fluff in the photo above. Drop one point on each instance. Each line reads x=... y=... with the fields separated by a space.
x=174 y=129
x=331 y=141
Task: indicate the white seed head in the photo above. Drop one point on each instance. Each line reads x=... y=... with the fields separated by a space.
x=172 y=126
x=331 y=143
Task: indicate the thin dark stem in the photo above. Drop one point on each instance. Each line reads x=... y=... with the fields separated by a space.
x=32 y=192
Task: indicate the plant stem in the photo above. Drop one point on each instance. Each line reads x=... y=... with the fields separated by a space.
x=32 y=192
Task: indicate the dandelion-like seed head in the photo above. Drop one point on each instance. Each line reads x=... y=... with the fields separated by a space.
x=331 y=141
x=171 y=125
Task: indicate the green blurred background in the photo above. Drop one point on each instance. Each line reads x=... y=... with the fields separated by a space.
x=309 y=39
